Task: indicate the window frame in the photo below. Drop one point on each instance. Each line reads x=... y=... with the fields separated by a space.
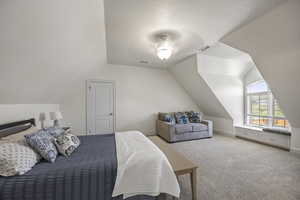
x=271 y=108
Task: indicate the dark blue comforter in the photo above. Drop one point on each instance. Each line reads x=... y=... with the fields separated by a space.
x=88 y=174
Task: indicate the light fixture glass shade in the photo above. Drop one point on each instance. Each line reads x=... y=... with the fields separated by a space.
x=164 y=53
x=164 y=49
x=55 y=115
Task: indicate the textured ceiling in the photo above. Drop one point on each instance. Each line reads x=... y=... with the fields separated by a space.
x=131 y=26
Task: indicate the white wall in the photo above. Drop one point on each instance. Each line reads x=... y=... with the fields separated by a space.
x=273 y=42
x=222 y=125
x=18 y=112
x=140 y=94
x=227 y=88
x=48 y=49
x=295 y=140
x=46 y=46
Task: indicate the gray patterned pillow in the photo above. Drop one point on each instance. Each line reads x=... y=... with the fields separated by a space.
x=42 y=142
x=54 y=131
x=16 y=158
x=67 y=143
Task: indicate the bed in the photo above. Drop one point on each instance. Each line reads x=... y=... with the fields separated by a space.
x=89 y=174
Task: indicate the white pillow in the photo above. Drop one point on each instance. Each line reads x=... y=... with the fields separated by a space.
x=19 y=136
x=16 y=158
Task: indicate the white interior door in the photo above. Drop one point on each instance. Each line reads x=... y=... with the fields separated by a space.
x=100 y=107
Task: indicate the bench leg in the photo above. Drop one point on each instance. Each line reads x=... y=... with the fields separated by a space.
x=194 y=183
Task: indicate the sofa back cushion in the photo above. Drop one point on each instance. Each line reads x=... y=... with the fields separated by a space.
x=181 y=118
x=194 y=117
x=167 y=117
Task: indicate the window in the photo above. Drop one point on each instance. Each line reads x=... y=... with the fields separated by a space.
x=262 y=109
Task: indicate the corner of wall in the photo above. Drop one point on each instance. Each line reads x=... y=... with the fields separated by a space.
x=295 y=140
x=222 y=125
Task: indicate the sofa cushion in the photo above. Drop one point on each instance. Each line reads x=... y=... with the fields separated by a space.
x=197 y=127
x=194 y=117
x=181 y=118
x=167 y=117
x=183 y=128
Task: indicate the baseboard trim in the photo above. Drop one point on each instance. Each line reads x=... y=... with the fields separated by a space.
x=295 y=150
x=224 y=133
x=264 y=143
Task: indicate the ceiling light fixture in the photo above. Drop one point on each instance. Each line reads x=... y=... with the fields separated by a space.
x=164 y=49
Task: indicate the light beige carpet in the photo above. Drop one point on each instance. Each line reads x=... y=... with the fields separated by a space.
x=231 y=169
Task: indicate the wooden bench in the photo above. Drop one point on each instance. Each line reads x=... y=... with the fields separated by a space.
x=181 y=165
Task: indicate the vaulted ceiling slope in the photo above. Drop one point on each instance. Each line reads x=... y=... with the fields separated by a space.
x=273 y=41
x=238 y=62
x=131 y=26
x=186 y=73
x=214 y=79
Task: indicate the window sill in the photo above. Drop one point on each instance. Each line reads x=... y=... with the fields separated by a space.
x=278 y=131
x=260 y=130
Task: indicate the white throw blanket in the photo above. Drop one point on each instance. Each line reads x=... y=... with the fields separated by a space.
x=142 y=168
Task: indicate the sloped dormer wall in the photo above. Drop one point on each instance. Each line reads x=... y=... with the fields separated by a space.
x=273 y=41
x=187 y=74
x=227 y=87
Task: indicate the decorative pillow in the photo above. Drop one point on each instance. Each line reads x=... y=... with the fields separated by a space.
x=167 y=117
x=14 y=130
x=54 y=131
x=16 y=158
x=181 y=118
x=67 y=143
x=19 y=136
x=42 y=142
x=194 y=117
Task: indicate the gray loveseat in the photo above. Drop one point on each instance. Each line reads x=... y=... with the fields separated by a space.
x=173 y=132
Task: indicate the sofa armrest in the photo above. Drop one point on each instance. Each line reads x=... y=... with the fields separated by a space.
x=210 y=126
x=165 y=130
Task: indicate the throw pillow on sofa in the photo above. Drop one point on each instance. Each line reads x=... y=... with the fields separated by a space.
x=181 y=118
x=194 y=117
x=167 y=117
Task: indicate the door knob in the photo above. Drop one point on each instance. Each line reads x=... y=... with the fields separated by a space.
x=110 y=113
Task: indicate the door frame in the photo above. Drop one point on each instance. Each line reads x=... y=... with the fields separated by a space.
x=86 y=100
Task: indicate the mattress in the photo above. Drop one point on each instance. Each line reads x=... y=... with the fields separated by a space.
x=88 y=174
